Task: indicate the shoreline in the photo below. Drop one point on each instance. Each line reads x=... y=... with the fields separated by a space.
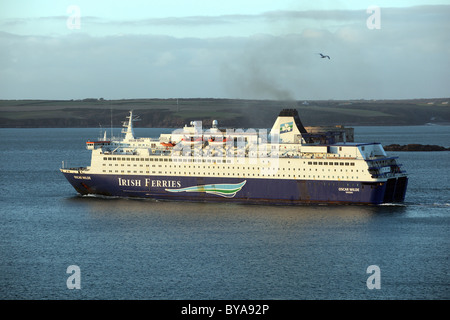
x=237 y=113
x=415 y=147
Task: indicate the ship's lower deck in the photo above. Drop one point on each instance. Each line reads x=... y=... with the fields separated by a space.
x=276 y=191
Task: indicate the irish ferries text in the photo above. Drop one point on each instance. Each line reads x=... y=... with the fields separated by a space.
x=149 y=183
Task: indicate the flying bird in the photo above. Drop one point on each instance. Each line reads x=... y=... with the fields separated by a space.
x=324 y=56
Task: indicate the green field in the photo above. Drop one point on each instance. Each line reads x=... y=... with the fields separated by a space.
x=175 y=113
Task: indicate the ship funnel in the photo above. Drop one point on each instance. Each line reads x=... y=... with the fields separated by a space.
x=288 y=126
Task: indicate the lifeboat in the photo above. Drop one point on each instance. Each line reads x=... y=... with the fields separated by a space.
x=216 y=141
x=168 y=144
x=191 y=140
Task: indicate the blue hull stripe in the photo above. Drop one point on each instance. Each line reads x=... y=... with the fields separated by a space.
x=236 y=189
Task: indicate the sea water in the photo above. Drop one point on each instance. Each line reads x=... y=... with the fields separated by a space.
x=144 y=249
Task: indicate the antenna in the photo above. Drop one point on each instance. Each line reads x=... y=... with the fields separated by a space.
x=111 y=124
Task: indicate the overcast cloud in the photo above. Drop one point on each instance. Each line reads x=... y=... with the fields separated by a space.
x=273 y=55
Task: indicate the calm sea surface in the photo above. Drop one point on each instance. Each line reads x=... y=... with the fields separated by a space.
x=142 y=249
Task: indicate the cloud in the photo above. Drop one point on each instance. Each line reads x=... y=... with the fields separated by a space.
x=407 y=58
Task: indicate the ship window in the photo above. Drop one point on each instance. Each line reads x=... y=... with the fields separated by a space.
x=105 y=158
x=109 y=158
x=352 y=163
x=309 y=162
x=314 y=163
x=341 y=163
x=320 y=163
x=346 y=163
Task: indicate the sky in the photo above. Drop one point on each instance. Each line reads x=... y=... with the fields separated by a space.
x=246 y=49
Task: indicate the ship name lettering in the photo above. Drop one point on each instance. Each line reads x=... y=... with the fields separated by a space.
x=349 y=189
x=162 y=183
x=129 y=182
x=82 y=177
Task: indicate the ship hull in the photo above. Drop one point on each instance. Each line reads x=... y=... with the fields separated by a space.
x=244 y=190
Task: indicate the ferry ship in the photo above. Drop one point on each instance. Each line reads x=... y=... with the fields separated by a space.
x=287 y=165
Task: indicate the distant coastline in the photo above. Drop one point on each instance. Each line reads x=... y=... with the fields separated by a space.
x=237 y=113
x=414 y=147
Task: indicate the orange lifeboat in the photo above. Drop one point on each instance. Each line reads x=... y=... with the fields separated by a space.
x=168 y=144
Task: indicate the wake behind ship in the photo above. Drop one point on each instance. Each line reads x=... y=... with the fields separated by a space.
x=286 y=166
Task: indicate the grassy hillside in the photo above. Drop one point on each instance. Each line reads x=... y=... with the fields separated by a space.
x=229 y=112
